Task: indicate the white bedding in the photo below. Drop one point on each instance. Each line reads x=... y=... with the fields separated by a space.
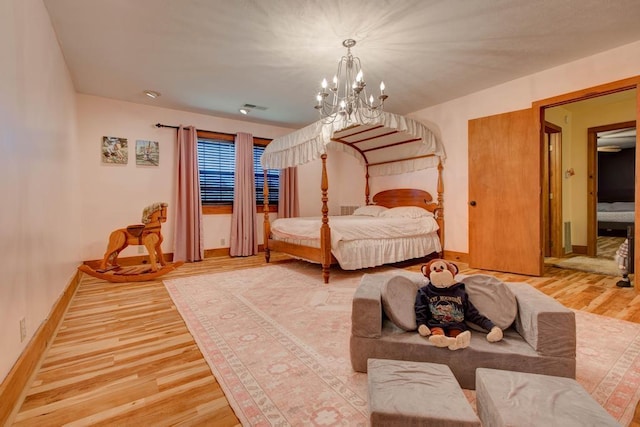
x=616 y=212
x=360 y=242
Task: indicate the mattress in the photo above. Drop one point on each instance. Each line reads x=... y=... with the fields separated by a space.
x=616 y=212
x=360 y=242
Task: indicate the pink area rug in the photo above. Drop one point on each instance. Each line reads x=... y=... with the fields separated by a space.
x=277 y=340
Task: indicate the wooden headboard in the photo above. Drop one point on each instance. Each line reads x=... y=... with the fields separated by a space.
x=407 y=197
x=413 y=197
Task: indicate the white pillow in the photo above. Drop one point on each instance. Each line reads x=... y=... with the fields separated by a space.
x=406 y=212
x=369 y=210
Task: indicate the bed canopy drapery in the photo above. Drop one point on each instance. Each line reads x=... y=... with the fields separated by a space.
x=386 y=145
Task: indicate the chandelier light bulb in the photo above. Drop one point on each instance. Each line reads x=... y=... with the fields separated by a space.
x=359 y=76
x=371 y=100
x=335 y=81
x=382 y=87
x=324 y=83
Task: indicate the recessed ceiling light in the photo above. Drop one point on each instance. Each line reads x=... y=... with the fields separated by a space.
x=244 y=111
x=609 y=149
x=152 y=93
x=254 y=107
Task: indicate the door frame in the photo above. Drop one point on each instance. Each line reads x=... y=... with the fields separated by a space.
x=552 y=190
x=592 y=182
x=592 y=92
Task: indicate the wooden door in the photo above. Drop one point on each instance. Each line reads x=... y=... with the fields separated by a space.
x=505 y=231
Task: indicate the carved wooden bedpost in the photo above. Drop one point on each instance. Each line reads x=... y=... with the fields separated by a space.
x=325 y=231
x=267 y=225
x=366 y=186
x=440 y=213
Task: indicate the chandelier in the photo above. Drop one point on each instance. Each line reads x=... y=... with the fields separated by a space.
x=346 y=99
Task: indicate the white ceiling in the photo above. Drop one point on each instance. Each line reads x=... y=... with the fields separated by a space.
x=213 y=56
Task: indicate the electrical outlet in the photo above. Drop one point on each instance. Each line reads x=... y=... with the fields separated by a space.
x=23 y=329
x=222 y=242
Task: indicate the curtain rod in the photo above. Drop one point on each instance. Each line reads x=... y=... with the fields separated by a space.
x=160 y=125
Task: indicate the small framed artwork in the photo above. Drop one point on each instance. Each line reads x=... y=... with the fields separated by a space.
x=115 y=150
x=147 y=153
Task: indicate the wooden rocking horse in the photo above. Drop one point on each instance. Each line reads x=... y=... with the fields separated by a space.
x=147 y=234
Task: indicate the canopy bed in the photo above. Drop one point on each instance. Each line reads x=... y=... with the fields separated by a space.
x=386 y=145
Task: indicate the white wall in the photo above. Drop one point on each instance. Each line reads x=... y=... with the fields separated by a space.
x=346 y=178
x=452 y=120
x=115 y=195
x=41 y=239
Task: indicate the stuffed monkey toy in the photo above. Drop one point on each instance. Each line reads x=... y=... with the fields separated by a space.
x=443 y=305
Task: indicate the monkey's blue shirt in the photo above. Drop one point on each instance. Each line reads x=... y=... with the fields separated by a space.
x=447 y=308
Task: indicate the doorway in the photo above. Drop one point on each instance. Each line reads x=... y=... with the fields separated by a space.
x=519 y=137
x=581 y=122
x=611 y=203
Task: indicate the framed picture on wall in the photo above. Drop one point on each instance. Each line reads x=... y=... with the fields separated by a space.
x=115 y=150
x=147 y=153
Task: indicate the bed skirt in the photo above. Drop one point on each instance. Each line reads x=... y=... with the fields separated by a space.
x=357 y=254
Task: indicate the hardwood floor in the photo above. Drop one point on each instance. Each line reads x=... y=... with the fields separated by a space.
x=123 y=355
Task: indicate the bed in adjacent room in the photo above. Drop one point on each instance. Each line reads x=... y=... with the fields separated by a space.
x=396 y=225
x=615 y=215
x=615 y=211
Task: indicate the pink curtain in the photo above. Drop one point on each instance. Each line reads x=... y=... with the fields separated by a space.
x=187 y=238
x=288 y=206
x=244 y=230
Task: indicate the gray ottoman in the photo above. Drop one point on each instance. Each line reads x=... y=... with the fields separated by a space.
x=416 y=394
x=506 y=398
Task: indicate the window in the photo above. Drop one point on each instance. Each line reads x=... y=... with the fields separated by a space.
x=216 y=163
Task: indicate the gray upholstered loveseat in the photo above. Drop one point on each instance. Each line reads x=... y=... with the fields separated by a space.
x=541 y=340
